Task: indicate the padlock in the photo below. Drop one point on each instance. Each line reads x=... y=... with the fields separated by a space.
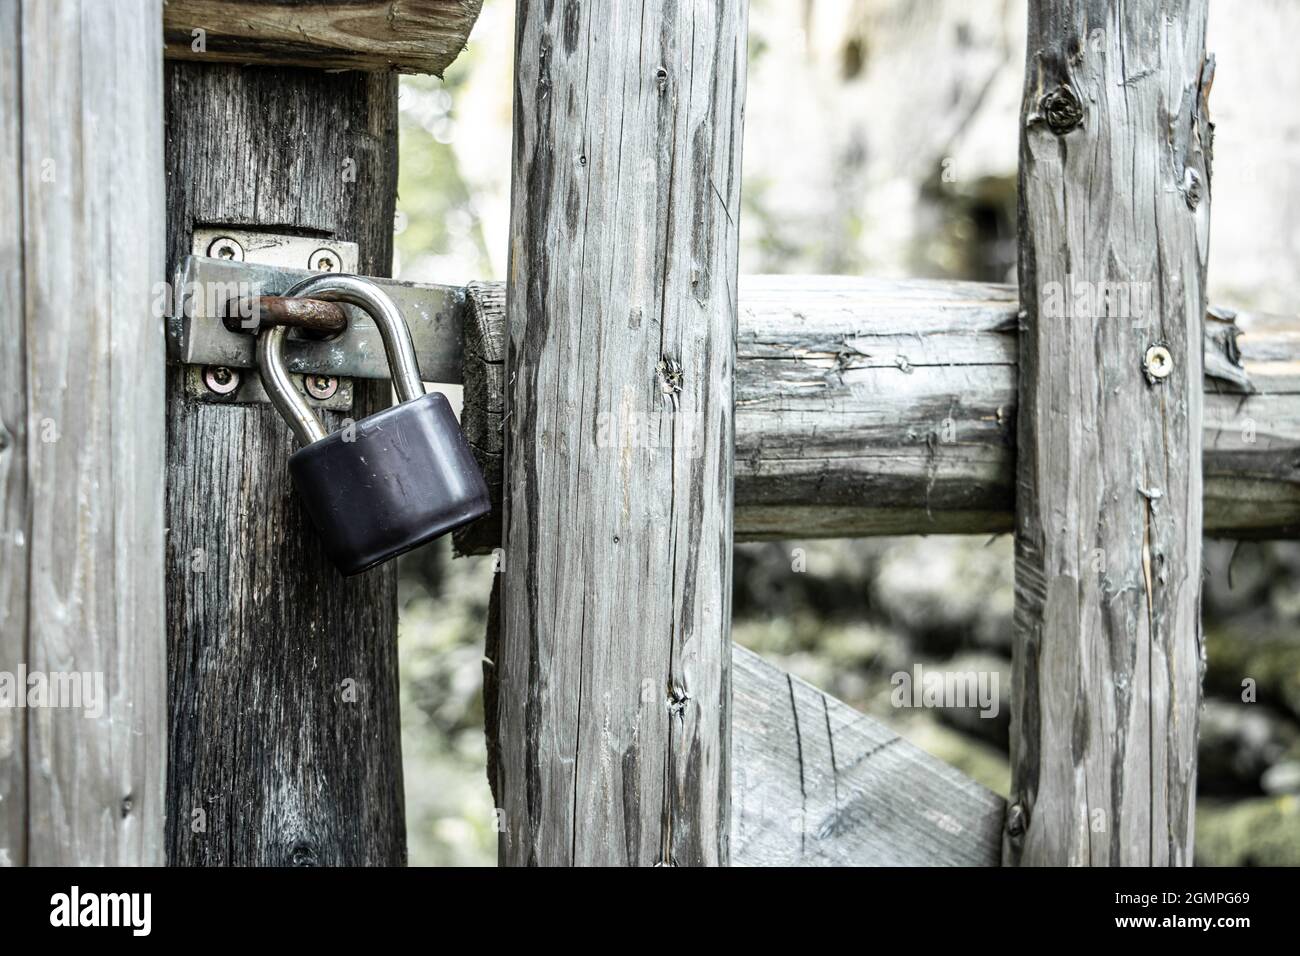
x=393 y=480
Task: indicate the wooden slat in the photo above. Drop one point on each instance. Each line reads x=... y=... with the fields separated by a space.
x=870 y=406
x=818 y=784
x=612 y=708
x=406 y=36
x=285 y=742
x=13 y=447
x=92 y=183
x=1114 y=187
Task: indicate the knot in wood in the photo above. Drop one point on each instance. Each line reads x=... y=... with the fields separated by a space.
x=1191 y=188
x=677 y=701
x=669 y=373
x=302 y=855
x=1062 y=109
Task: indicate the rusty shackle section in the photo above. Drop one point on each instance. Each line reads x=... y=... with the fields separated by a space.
x=249 y=316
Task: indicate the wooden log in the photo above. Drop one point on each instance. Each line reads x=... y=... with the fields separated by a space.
x=1114 y=192
x=867 y=407
x=614 y=695
x=819 y=784
x=81 y=440
x=285 y=738
x=404 y=36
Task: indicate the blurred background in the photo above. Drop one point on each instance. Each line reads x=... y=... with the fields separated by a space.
x=881 y=138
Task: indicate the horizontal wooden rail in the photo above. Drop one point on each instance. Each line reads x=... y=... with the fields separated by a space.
x=405 y=36
x=873 y=407
x=818 y=784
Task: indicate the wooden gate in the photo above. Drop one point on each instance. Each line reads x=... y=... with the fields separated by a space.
x=636 y=408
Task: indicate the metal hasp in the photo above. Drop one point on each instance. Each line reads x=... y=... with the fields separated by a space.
x=211 y=290
x=395 y=479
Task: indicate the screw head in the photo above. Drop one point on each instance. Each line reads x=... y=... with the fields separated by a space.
x=226 y=247
x=321 y=387
x=1017 y=820
x=220 y=380
x=1158 y=363
x=325 y=260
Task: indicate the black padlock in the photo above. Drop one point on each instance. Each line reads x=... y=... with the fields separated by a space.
x=393 y=480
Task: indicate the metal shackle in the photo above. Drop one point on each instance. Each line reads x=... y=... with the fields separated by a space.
x=392 y=329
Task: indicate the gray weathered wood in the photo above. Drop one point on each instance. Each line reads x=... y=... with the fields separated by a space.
x=285 y=740
x=13 y=447
x=613 y=657
x=869 y=406
x=406 y=36
x=1114 y=187
x=81 y=589
x=818 y=784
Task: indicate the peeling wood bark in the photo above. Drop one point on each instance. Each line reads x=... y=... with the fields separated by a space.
x=819 y=784
x=405 y=36
x=275 y=758
x=1114 y=187
x=81 y=441
x=927 y=372
x=613 y=693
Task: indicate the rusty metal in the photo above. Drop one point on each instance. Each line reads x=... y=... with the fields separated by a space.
x=316 y=315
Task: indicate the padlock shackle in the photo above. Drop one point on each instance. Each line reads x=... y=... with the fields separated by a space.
x=393 y=330
x=279 y=386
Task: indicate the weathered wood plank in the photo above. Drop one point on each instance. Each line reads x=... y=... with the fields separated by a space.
x=614 y=694
x=13 y=447
x=1114 y=188
x=405 y=36
x=285 y=738
x=91 y=253
x=882 y=407
x=818 y=784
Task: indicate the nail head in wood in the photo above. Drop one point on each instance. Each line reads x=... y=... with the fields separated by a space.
x=1158 y=363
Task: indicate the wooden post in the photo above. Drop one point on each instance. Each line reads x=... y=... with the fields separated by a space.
x=285 y=740
x=1114 y=224
x=611 y=712
x=81 y=433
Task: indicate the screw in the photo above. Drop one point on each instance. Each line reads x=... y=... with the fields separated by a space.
x=1158 y=363
x=321 y=387
x=1017 y=820
x=325 y=260
x=226 y=247
x=220 y=380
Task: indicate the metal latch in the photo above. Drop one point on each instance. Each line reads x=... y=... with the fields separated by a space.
x=209 y=333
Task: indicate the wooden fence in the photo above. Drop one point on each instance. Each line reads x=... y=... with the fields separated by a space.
x=623 y=727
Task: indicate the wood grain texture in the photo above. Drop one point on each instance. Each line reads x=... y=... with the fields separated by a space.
x=13 y=445
x=818 y=784
x=284 y=709
x=1114 y=187
x=405 y=36
x=926 y=371
x=613 y=657
x=83 y=543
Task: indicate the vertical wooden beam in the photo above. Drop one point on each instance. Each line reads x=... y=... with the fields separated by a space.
x=13 y=445
x=614 y=655
x=1114 y=225
x=285 y=738
x=83 y=544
